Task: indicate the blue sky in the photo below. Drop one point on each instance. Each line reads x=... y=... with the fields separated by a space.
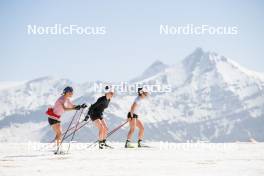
x=132 y=41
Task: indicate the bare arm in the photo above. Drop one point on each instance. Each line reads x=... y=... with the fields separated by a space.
x=68 y=109
x=72 y=106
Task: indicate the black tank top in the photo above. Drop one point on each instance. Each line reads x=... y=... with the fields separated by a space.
x=100 y=105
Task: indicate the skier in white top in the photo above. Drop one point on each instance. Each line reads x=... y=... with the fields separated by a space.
x=133 y=118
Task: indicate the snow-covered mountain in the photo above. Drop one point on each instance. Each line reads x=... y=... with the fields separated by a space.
x=212 y=98
x=152 y=70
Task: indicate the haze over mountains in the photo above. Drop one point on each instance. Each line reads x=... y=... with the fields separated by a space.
x=212 y=98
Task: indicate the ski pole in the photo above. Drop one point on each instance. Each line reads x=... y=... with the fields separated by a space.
x=67 y=135
x=113 y=131
x=78 y=119
x=66 y=131
x=77 y=129
x=117 y=128
x=63 y=133
x=109 y=134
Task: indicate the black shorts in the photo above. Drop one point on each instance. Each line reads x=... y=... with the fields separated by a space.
x=52 y=121
x=135 y=116
x=94 y=116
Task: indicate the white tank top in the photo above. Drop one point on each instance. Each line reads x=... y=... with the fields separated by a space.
x=138 y=101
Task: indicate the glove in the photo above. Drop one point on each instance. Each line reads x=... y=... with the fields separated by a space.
x=78 y=107
x=83 y=105
x=86 y=118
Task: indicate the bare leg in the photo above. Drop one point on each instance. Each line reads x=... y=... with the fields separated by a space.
x=141 y=129
x=105 y=128
x=57 y=129
x=132 y=124
x=99 y=125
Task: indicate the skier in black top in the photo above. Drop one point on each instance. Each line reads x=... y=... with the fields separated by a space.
x=96 y=114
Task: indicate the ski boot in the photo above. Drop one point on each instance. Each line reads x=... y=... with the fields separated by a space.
x=140 y=144
x=106 y=145
x=101 y=144
x=128 y=144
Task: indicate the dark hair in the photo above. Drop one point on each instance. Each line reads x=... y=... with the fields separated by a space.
x=139 y=89
x=67 y=89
